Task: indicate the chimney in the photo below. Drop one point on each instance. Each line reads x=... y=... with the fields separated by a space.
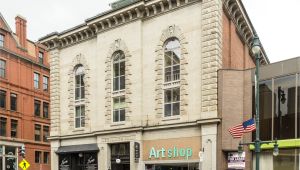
x=21 y=30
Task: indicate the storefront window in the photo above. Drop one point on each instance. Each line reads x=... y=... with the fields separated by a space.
x=265 y=102
x=287 y=160
x=78 y=161
x=285 y=104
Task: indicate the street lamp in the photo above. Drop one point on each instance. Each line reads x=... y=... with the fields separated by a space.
x=256 y=49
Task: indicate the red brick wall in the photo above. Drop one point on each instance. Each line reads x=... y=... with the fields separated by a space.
x=19 y=80
x=235 y=52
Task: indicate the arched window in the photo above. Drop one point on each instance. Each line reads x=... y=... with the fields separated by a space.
x=172 y=54
x=118 y=71
x=79 y=82
x=79 y=97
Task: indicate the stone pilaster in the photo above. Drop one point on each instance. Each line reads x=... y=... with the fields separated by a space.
x=211 y=46
x=55 y=92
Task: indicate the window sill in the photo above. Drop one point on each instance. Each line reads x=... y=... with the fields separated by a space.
x=170 y=118
x=118 y=123
x=81 y=129
x=171 y=84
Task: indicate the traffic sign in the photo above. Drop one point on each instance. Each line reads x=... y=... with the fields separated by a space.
x=24 y=164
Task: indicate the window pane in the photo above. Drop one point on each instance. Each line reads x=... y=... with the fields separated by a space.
x=122 y=68
x=176 y=72
x=176 y=95
x=3 y=126
x=37 y=108
x=116 y=116
x=168 y=96
x=83 y=111
x=37 y=132
x=46 y=157
x=77 y=122
x=77 y=81
x=176 y=108
x=168 y=74
x=284 y=101
x=2 y=68
x=172 y=44
x=122 y=82
x=116 y=83
x=265 y=102
x=176 y=59
x=14 y=128
x=82 y=93
x=45 y=110
x=287 y=160
x=122 y=115
x=167 y=110
x=2 y=98
x=168 y=59
x=77 y=111
x=37 y=157
x=82 y=121
x=116 y=70
x=82 y=80
x=9 y=150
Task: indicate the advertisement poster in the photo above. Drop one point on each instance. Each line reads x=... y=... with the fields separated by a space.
x=236 y=161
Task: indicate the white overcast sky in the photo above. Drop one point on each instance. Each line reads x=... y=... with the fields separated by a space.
x=276 y=22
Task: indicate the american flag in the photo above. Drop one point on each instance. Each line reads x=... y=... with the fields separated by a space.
x=238 y=130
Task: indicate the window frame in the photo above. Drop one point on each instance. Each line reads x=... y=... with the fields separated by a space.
x=172 y=65
x=120 y=109
x=39 y=108
x=2 y=68
x=39 y=154
x=15 y=96
x=2 y=40
x=3 y=96
x=120 y=76
x=45 y=83
x=36 y=80
x=46 y=156
x=172 y=103
x=3 y=123
x=37 y=128
x=80 y=117
x=41 y=57
x=14 y=129
x=45 y=105
x=46 y=133
x=81 y=86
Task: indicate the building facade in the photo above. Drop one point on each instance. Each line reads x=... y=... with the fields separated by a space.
x=136 y=87
x=24 y=99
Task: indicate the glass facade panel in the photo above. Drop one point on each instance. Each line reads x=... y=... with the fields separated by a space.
x=265 y=102
x=298 y=107
x=287 y=160
x=285 y=104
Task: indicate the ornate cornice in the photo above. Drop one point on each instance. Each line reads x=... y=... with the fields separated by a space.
x=235 y=10
x=139 y=10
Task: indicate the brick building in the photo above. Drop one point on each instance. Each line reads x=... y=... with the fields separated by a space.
x=136 y=87
x=24 y=98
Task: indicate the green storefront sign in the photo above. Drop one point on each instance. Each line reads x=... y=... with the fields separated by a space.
x=173 y=152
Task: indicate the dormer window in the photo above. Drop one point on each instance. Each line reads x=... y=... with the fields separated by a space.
x=41 y=57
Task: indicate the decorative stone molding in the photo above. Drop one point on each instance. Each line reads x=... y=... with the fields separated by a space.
x=211 y=46
x=172 y=31
x=55 y=92
x=78 y=60
x=118 y=45
x=94 y=25
x=243 y=25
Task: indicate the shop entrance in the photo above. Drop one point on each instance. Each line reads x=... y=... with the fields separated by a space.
x=190 y=166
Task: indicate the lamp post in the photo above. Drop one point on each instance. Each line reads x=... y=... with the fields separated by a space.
x=256 y=49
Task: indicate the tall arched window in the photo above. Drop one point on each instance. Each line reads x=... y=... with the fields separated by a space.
x=172 y=54
x=118 y=71
x=79 y=82
x=79 y=97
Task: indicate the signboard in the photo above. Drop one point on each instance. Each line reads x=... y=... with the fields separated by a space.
x=24 y=164
x=236 y=161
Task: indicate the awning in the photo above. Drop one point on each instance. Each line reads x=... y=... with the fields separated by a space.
x=77 y=148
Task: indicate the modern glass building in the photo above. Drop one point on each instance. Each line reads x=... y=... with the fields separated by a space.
x=280 y=114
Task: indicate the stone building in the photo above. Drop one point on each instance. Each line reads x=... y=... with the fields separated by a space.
x=24 y=98
x=136 y=87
